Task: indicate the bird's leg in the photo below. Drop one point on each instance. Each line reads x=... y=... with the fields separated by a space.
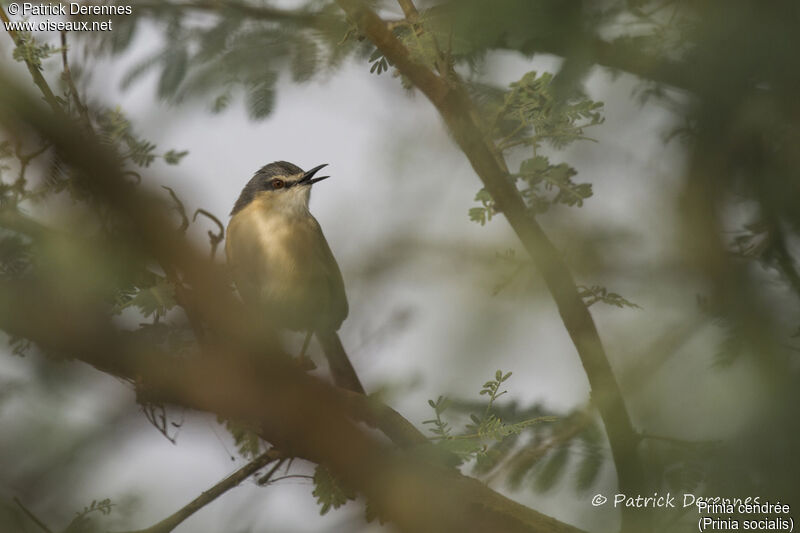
x=305 y=362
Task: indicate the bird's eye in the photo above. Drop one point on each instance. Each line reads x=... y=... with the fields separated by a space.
x=278 y=184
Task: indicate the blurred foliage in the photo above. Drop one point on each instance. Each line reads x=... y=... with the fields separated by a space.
x=470 y=443
x=329 y=492
x=726 y=70
x=245 y=437
x=530 y=114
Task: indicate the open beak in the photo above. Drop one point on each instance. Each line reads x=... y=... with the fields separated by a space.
x=306 y=179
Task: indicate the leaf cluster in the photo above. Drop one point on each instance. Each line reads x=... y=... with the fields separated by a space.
x=537 y=455
x=532 y=114
x=482 y=428
x=83 y=522
x=329 y=491
x=596 y=293
x=245 y=437
x=231 y=54
x=31 y=51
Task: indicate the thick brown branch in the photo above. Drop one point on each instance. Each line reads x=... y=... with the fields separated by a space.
x=297 y=413
x=458 y=112
x=409 y=10
x=242 y=375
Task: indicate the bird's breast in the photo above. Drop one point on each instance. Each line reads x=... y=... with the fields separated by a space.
x=279 y=247
x=274 y=256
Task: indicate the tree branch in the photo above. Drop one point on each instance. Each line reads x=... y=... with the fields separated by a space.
x=409 y=9
x=36 y=74
x=457 y=110
x=243 y=374
x=83 y=111
x=175 y=519
x=32 y=516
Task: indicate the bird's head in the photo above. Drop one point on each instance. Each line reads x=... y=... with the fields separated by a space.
x=281 y=184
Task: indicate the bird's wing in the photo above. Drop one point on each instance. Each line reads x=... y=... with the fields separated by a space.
x=333 y=276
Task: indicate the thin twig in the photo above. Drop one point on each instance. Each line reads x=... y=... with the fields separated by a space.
x=412 y=16
x=175 y=519
x=83 y=111
x=291 y=476
x=32 y=516
x=38 y=79
x=213 y=238
x=24 y=161
x=179 y=208
x=263 y=480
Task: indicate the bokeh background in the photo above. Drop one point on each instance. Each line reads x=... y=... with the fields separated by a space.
x=436 y=303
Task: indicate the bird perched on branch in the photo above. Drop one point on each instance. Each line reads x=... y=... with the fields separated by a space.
x=282 y=264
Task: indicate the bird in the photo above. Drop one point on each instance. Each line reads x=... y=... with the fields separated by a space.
x=282 y=265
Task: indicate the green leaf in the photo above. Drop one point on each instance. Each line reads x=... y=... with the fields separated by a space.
x=305 y=59
x=247 y=440
x=497 y=452
x=173 y=158
x=478 y=214
x=176 y=61
x=462 y=447
x=589 y=469
x=553 y=469
x=124 y=30
x=596 y=293
x=329 y=491
x=534 y=165
x=157 y=299
x=221 y=102
x=261 y=97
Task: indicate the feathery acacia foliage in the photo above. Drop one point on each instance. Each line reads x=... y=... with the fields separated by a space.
x=723 y=68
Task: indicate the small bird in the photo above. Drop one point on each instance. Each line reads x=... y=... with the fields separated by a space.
x=282 y=264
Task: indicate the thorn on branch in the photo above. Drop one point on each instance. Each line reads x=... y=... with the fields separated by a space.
x=156 y=414
x=214 y=238
x=179 y=207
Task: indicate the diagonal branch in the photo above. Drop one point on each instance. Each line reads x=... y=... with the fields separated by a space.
x=409 y=10
x=208 y=496
x=32 y=516
x=83 y=111
x=243 y=375
x=456 y=108
x=38 y=78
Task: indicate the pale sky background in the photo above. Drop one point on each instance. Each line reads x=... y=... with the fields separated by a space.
x=396 y=173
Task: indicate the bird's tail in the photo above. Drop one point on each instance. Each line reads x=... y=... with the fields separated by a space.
x=344 y=375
